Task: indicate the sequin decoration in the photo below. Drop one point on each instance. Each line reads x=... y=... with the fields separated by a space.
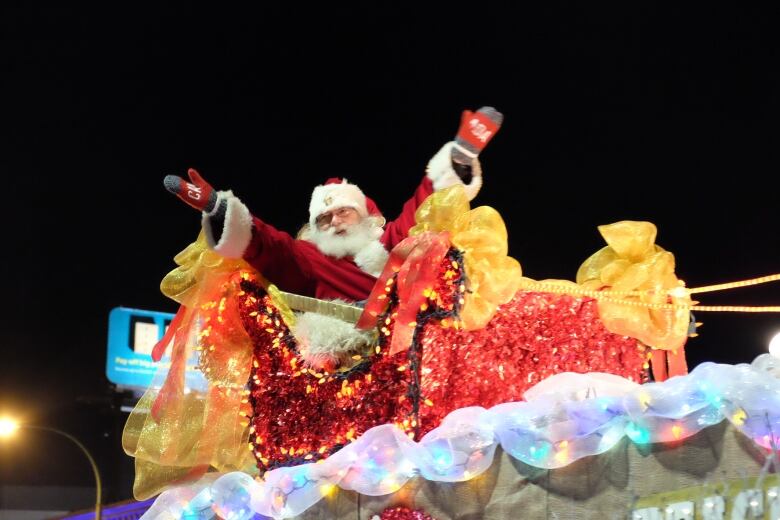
x=534 y=336
x=301 y=415
x=402 y=513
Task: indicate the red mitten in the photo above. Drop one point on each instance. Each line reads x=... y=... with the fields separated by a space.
x=198 y=193
x=475 y=132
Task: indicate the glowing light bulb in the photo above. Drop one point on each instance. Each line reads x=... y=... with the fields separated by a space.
x=637 y=434
x=774 y=345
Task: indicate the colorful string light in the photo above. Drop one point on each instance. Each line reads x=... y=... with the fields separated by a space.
x=551 y=430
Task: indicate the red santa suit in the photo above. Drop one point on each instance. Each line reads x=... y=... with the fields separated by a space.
x=297 y=265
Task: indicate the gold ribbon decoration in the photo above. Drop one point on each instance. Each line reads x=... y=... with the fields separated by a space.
x=633 y=262
x=177 y=430
x=493 y=277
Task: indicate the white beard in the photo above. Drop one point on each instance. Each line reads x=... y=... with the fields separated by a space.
x=361 y=241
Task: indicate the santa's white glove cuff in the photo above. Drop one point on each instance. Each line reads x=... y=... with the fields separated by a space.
x=442 y=174
x=228 y=227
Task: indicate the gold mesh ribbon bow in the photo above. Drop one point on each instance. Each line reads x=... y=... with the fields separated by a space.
x=177 y=433
x=633 y=263
x=493 y=276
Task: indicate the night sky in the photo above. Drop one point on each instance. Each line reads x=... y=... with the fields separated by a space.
x=651 y=113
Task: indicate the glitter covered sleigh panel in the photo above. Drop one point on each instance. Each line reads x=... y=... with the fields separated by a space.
x=534 y=336
x=302 y=415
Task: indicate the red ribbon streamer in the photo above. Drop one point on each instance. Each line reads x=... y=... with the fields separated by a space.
x=416 y=259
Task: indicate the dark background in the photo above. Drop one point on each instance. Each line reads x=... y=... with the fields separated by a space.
x=648 y=113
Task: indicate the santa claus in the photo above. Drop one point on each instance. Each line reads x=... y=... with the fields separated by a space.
x=344 y=246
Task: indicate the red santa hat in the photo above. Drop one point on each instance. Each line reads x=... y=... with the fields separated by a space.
x=337 y=193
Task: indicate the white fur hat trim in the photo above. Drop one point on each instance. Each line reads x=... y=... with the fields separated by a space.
x=328 y=197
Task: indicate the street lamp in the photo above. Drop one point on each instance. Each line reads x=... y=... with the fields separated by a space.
x=8 y=428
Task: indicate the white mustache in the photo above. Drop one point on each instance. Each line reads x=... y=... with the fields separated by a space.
x=333 y=230
x=352 y=239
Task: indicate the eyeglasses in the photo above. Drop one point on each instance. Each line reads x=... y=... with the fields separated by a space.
x=325 y=220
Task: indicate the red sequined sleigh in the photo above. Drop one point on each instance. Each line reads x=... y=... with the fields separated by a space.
x=302 y=415
x=431 y=356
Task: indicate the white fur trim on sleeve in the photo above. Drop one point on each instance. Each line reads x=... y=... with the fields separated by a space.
x=443 y=175
x=327 y=342
x=237 y=228
x=475 y=185
x=440 y=166
x=372 y=258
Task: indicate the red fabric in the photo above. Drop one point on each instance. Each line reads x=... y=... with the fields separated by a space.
x=417 y=261
x=161 y=346
x=372 y=208
x=195 y=193
x=658 y=364
x=668 y=363
x=299 y=267
x=174 y=382
x=398 y=229
x=476 y=129
x=677 y=364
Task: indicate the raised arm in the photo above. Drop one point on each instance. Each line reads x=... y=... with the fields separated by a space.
x=456 y=162
x=232 y=231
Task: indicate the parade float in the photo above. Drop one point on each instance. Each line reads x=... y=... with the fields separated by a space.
x=477 y=393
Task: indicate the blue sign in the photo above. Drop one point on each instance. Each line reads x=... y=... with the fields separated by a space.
x=132 y=334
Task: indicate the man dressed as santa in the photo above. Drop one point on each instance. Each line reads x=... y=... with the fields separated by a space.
x=344 y=247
